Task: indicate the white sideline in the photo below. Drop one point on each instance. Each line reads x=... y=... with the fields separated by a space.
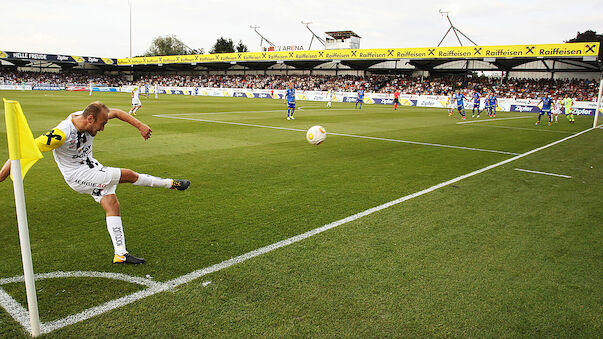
x=117 y=303
x=264 y=111
x=524 y=128
x=545 y=173
x=339 y=134
x=495 y=119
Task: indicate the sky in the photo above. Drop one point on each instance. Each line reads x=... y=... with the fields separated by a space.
x=101 y=28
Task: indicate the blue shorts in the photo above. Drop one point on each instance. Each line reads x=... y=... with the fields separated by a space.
x=460 y=107
x=291 y=105
x=547 y=110
x=359 y=100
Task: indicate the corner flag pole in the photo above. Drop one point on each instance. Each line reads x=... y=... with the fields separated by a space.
x=598 y=105
x=15 y=167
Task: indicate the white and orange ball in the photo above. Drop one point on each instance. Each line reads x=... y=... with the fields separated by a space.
x=316 y=135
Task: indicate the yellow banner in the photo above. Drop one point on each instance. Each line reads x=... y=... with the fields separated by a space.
x=578 y=49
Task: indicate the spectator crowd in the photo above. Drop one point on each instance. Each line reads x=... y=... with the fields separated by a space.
x=582 y=90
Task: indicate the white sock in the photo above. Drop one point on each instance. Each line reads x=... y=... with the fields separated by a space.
x=136 y=109
x=151 y=181
x=116 y=231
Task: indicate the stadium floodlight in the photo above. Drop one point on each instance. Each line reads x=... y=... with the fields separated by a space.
x=454 y=29
x=321 y=40
x=255 y=28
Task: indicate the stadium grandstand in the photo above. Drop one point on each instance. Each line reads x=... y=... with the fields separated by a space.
x=519 y=72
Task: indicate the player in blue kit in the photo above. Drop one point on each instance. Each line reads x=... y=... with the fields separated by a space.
x=290 y=100
x=476 y=103
x=547 y=101
x=492 y=103
x=360 y=98
x=458 y=102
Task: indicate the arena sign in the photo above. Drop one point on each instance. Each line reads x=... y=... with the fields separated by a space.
x=568 y=50
x=56 y=58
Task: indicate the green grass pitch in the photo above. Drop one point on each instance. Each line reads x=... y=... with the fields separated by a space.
x=500 y=254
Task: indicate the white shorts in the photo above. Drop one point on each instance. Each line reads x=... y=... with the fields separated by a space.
x=136 y=102
x=98 y=181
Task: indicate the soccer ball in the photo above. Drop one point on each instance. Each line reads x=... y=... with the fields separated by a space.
x=316 y=135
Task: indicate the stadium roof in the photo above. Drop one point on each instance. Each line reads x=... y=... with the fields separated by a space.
x=342 y=34
x=568 y=57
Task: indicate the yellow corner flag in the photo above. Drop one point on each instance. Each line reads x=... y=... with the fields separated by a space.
x=21 y=144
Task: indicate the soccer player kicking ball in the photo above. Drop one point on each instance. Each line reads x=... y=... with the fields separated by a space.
x=71 y=145
x=547 y=101
x=136 y=104
x=290 y=100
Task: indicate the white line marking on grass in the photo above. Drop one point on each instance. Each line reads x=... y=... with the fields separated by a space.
x=18 y=312
x=205 y=283
x=85 y=274
x=339 y=134
x=545 y=173
x=495 y=119
x=263 y=111
x=117 y=303
x=524 y=128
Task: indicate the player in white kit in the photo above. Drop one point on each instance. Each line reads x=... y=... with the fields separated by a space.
x=71 y=145
x=90 y=88
x=557 y=109
x=136 y=104
x=329 y=98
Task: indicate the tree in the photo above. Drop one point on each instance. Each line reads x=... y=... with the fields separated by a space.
x=241 y=47
x=170 y=45
x=589 y=36
x=223 y=45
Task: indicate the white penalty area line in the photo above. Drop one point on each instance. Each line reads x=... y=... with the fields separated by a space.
x=339 y=134
x=545 y=173
x=161 y=287
x=494 y=119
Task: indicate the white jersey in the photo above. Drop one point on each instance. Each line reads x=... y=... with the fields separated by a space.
x=75 y=154
x=136 y=97
x=557 y=106
x=330 y=95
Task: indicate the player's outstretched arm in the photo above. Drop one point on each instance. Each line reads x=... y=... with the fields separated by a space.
x=5 y=171
x=144 y=129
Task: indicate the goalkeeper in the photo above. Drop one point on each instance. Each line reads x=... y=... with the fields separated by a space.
x=71 y=144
